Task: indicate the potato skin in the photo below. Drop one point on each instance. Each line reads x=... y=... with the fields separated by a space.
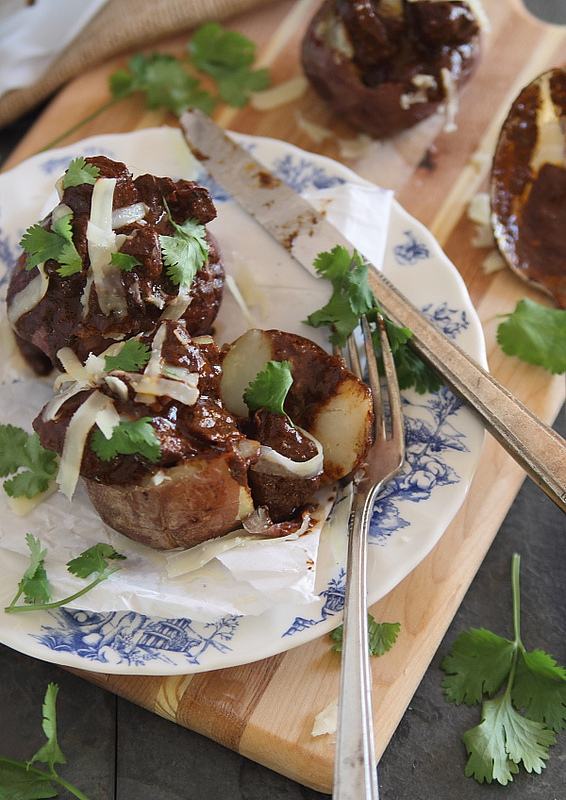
x=197 y=501
x=375 y=109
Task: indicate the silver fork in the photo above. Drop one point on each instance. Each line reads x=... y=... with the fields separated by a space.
x=355 y=773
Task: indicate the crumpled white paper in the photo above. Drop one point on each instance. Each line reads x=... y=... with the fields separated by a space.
x=32 y=36
x=239 y=574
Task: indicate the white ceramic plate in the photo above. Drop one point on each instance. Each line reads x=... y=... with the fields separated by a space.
x=443 y=438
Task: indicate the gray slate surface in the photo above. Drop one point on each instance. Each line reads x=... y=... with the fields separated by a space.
x=118 y=751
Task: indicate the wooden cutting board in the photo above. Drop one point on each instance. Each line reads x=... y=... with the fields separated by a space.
x=265 y=710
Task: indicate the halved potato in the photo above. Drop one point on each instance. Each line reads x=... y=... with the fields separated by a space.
x=326 y=399
x=198 y=500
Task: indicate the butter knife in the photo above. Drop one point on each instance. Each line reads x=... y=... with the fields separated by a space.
x=304 y=232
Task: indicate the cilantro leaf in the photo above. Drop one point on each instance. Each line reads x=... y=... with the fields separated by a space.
x=34 y=585
x=23 y=451
x=540 y=688
x=124 y=261
x=93 y=560
x=535 y=334
x=79 y=172
x=185 y=252
x=42 y=245
x=135 y=437
x=164 y=81
x=477 y=664
x=381 y=636
x=50 y=753
x=270 y=387
x=18 y=782
x=235 y=87
x=132 y=357
x=502 y=741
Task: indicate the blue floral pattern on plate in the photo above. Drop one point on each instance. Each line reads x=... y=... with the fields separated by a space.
x=411 y=250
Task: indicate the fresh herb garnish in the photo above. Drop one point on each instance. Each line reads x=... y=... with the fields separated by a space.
x=79 y=172
x=41 y=245
x=135 y=437
x=535 y=334
x=132 y=357
x=124 y=261
x=21 y=780
x=479 y=664
x=34 y=585
x=351 y=298
x=185 y=252
x=228 y=56
x=31 y=465
x=381 y=636
x=270 y=387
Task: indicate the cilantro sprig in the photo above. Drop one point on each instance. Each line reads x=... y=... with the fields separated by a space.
x=185 y=252
x=174 y=84
x=132 y=357
x=31 y=466
x=124 y=261
x=381 y=636
x=130 y=437
x=351 y=298
x=535 y=334
x=41 y=245
x=21 y=780
x=270 y=387
x=34 y=584
x=79 y=172
x=479 y=665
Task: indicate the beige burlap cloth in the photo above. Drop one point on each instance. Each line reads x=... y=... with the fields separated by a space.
x=120 y=25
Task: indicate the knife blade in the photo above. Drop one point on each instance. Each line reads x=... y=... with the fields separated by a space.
x=304 y=232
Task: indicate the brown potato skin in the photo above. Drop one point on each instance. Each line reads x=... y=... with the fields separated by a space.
x=375 y=109
x=200 y=501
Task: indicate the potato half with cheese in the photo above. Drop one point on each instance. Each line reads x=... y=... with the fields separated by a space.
x=113 y=259
x=330 y=411
x=164 y=461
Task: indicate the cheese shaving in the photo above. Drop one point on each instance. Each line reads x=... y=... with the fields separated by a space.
x=117 y=386
x=107 y=420
x=326 y=721
x=154 y=364
x=318 y=133
x=127 y=215
x=237 y=295
x=273 y=463
x=451 y=106
x=355 y=148
x=60 y=211
x=22 y=506
x=29 y=296
x=181 y=374
x=54 y=405
x=279 y=95
x=177 y=307
x=150 y=387
x=494 y=262
x=101 y=241
x=84 y=418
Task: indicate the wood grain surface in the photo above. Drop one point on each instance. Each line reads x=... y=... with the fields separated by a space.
x=265 y=710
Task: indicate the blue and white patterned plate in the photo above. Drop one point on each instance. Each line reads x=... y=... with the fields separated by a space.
x=443 y=438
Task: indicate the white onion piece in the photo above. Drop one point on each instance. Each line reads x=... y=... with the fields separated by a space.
x=127 y=215
x=177 y=307
x=101 y=241
x=154 y=364
x=75 y=440
x=29 y=297
x=273 y=463
x=180 y=374
x=150 y=387
x=53 y=406
x=117 y=386
x=60 y=211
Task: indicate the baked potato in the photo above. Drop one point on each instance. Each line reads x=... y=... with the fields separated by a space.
x=384 y=65
x=111 y=278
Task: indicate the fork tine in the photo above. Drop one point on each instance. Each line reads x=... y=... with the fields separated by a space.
x=392 y=387
x=354 y=357
x=374 y=382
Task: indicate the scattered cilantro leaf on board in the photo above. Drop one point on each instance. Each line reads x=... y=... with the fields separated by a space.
x=21 y=780
x=31 y=466
x=34 y=585
x=41 y=245
x=270 y=387
x=479 y=665
x=350 y=299
x=535 y=334
x=93 y=560
x=132 y=357
x=124 y=261
x=135 y=437
x=79 y=172
x=381 y=636
x=185 y=252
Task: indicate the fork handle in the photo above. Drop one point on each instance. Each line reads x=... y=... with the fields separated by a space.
x=355 y=773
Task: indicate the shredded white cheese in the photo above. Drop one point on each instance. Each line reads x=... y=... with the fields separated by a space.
x=326 y=721
x=155 y=362
x=273 y=463
x=318 y=133
x=280 y=95
x=101 y=241
x=29 y=297
x=127 y=215
x=451 y=105
x=177 y=307
x=147 y=388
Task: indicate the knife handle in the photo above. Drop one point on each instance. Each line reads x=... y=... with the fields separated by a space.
x=539 y=450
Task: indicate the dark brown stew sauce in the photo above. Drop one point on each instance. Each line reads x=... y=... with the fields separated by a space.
x=57 y=320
